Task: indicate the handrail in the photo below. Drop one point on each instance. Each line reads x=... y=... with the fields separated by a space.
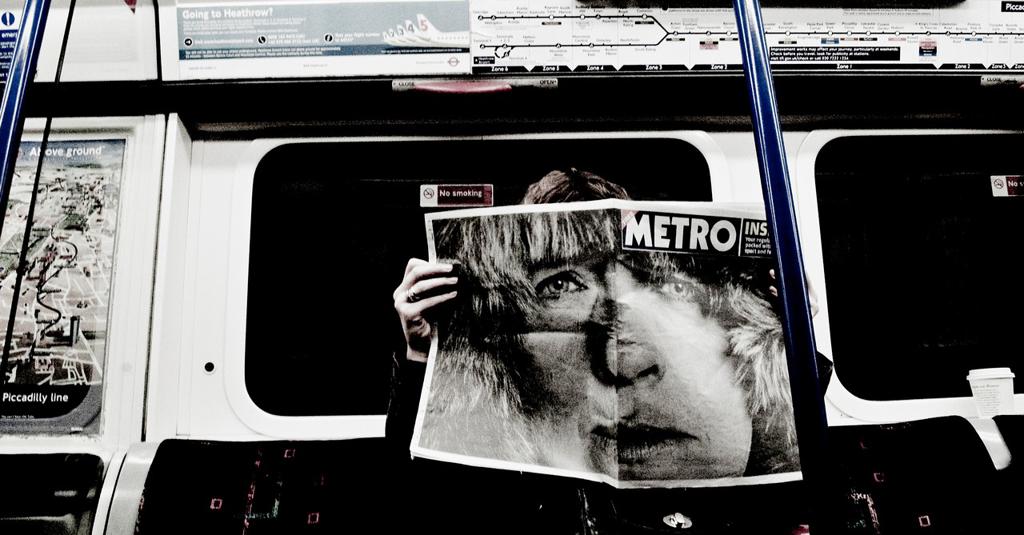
x=801 y=349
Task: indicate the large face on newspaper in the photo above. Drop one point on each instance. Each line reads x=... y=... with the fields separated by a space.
x=617 y=341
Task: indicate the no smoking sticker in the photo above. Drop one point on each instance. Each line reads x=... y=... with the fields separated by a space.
x=456 y=195
x=1007 y=186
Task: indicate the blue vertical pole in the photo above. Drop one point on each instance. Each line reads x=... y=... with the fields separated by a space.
x=808 y=404
x=21 y=71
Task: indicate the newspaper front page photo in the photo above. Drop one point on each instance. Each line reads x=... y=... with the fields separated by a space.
x=626 y=342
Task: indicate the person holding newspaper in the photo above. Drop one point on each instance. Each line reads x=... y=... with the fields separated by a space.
x=693 y=385
x=422 y=277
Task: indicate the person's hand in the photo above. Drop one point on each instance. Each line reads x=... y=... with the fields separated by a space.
x=422 y=278
x=811 y=296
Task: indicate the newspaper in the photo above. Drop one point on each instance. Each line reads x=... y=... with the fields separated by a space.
x=626 y=342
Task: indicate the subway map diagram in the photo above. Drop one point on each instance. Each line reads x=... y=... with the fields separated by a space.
x=567 y=36
x=55 y=283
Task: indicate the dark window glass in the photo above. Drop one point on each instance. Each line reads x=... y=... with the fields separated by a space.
x=333 y=225
x=919 y=258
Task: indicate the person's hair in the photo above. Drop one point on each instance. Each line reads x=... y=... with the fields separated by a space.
x=572 y=186
x=482 y=355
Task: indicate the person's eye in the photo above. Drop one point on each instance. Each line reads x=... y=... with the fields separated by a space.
x=682 y=289
x=559 y=284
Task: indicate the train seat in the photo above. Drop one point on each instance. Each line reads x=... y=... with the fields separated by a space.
x=927 y=476
x=52 y=494
x=346 y=486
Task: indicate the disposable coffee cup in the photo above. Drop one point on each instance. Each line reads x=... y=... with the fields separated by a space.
x=993 y=391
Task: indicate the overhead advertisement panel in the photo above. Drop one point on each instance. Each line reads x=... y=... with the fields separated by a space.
x=548 y=36
x=260 y=40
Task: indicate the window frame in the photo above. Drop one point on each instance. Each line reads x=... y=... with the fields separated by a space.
x=806 y=201
x=358 y=426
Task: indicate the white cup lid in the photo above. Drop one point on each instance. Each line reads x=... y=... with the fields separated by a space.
x=990 y=373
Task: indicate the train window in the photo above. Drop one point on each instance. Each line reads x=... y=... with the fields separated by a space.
x=56 y=263
x=916 y=256
x=320 y=334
